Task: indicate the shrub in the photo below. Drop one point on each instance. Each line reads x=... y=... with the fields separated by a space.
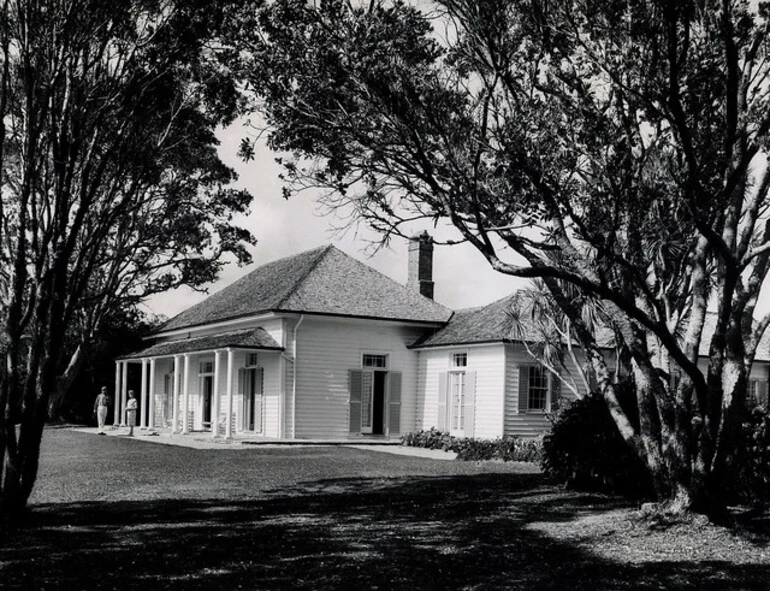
x=752 y=463
x=585 y=450
x=508 y=449
x=430 y=439
x=474 y=449
x=519 y=449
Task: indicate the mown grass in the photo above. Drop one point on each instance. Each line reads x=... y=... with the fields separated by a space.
x=118 y=514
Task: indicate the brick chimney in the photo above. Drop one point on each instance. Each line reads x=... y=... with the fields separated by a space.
x=420 y=276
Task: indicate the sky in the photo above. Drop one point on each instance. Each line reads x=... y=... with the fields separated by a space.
x=463 y=278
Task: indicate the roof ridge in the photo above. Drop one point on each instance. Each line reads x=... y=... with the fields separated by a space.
x=324 y=251
x=490 y=304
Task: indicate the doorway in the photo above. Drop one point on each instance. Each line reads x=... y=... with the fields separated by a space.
x=378 y=412
x=374 y=386
x=207 y=393
x=457 y=403
x=253 y=398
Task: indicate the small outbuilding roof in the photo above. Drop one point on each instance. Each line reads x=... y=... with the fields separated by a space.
x=486 y=324
x=252 y=339
x=495 y=323
x=321 y=281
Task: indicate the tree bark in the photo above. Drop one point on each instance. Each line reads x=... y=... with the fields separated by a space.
x=59 y=397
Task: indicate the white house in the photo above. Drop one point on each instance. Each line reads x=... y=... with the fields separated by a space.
x=321 y=346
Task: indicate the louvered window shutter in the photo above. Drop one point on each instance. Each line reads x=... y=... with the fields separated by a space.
x=259 y=390
x=394 y=404
x=555 y=384
x=355 y=379
x=469 y=396
x=240 y=410
x=441 y=423
x=260 y=381
x=523 y=388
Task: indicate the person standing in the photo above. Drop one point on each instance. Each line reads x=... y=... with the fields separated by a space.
x=100 y=409
x=131 y=408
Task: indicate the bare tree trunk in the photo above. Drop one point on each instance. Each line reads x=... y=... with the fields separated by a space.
x=59 y=397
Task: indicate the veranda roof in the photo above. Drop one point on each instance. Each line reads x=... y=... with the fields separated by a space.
x=252 y=339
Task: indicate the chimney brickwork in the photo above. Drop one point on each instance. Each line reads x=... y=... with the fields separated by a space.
x=420 y=275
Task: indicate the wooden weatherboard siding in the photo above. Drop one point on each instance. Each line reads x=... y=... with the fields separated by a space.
x=488 y=364
x=327 y=349
x=516 y=420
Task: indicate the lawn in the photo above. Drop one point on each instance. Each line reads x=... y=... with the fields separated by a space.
x=113 y=513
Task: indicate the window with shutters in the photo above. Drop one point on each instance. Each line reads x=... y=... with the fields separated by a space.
x=758 y=392
x=537 y=399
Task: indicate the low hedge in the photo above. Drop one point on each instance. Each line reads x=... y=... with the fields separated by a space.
x=507 y=449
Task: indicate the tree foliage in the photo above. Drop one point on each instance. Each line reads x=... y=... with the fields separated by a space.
x=617 y=148
x=111 y=185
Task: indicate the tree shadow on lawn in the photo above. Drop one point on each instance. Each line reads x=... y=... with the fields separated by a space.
x=467 y=532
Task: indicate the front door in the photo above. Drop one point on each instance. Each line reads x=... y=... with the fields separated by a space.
x=207 y=393
x=253 y=395
x=167 y=408
x=367 y=402
x=373 y=402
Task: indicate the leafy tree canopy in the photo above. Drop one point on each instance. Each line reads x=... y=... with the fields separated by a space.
x=617 y=148
x=111 y=185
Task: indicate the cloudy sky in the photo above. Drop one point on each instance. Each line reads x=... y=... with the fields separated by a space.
x=462 y=276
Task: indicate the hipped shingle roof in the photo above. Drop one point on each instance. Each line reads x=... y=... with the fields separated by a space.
x=322 y=281
x=486 y=324
x=494 y=323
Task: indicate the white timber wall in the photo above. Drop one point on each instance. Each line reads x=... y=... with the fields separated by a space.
x=488 y=361
x=530 y=424
x=271 y=394
x=431 y=363
x=760 y=370
x=326 y=351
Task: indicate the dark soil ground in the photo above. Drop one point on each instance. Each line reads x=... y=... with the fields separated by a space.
x=113 y=513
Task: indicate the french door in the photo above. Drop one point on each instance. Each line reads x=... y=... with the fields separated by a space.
x=367 y=402
x=252 y=399
x=207 y=395
x=457 y=402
